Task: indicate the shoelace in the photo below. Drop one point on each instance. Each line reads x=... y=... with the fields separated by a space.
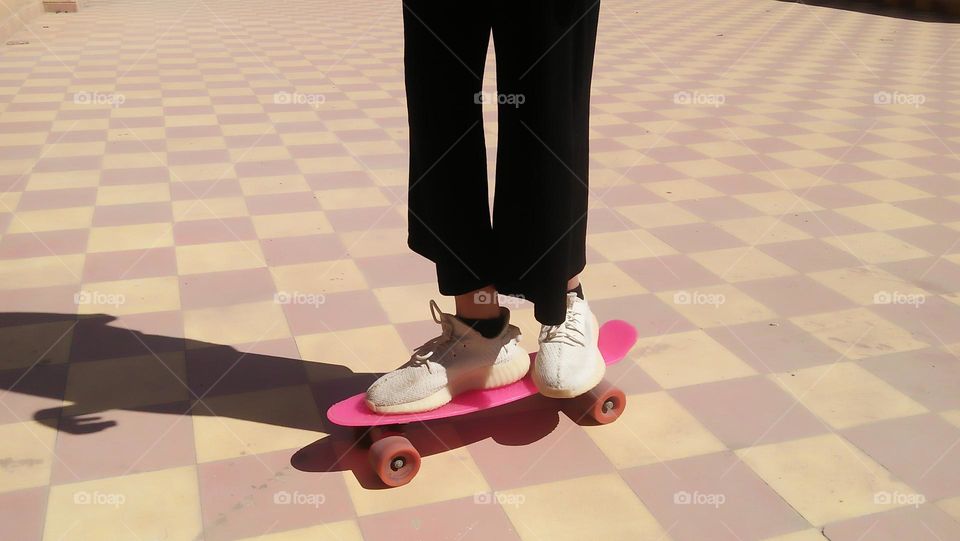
x=567 y=332
x=424 y=352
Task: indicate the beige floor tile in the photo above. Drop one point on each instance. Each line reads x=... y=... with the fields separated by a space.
x=703 y=169
x=716 y=306
x=374 y=242
x=411 y=303
x=208 y=208
x=294 y=224
x=865 y=285
x=163 y=504
x=41 y=271
x=130 y=237
x=220 y=256
x=888 y=190
x=363 y=350
x=742 y=264
x=825 y=478
x=444 y=476
x=607 y=280
x=134 y=193
x=876 y=247
x=130 y=296
x=236 y=324
x=653 y=428
x=658 y=215
x=28 y=454
x=36 y=221
x=254 y=423
x=320 y=277
x=883 y=216
x=951 y=506
x=342 y=198
x=844 y=395
x=952 y=417
x=893 y=169
x=791 y=179
x=681 y=190
x=803 y=158
x=777 y=203
x=269 y=185
x=346 y=530
x=858 y=333
x=803 y=535
x=632 y=244
x=761 y=230
x=595 y=507
x=688 y=358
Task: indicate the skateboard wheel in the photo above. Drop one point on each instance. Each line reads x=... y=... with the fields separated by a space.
x=605 y=403
x=395 y=460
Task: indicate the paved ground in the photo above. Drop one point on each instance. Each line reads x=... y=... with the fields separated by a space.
x=203 y=246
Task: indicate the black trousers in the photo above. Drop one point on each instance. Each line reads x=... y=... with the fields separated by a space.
x=537 y=239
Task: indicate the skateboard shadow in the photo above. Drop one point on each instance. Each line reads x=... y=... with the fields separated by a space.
x=110 y=367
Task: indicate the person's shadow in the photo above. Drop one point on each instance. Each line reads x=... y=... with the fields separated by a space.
x=178 y=376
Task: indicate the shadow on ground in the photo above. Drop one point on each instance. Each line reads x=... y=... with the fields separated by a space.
x=938 y=13
x=114 y=368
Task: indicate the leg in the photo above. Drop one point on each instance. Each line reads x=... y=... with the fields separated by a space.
x=445 y=46
x=545 y=55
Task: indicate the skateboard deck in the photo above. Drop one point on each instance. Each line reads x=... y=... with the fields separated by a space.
x=616 y=339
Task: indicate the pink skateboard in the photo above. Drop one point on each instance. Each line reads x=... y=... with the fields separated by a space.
x=396 y=461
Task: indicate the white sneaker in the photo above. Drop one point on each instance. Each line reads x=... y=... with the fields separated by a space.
x=459 y=360
x=569 y=362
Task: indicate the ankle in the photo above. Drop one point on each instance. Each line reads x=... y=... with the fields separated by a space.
x=487 y=327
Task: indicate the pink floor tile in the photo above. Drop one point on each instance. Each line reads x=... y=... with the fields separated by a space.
x=668 y=272
x=43 y=243
x=795 y=295
x=57 y=199
x=531 y=447
x=712 y=497
x=148 y=439
x=225 y=288
x=935 y=321
x=463 y=519
x=138 y=175
x=745 y=412
x=254 y=495
x=935 y=239
x=923 y=523
x=809 y=255
x=217 y=370
x=102 y=336
x=293 y=250
x=935 y=275
x=719 y=208
x=823 y=223
x=697 y=237
x=650 y=315
x=129 y=264
x=34 y=392
x=363 y=219
x=773 y=346
x=921 y=450
x=22 y=513
x=929 y=376
x=282 y=203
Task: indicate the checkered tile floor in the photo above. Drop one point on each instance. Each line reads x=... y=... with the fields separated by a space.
x=202 y=245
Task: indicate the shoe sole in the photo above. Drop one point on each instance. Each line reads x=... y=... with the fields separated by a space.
x=486 y=377
x=600 y=368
